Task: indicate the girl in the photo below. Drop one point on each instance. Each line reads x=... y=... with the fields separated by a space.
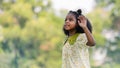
x=79 y=37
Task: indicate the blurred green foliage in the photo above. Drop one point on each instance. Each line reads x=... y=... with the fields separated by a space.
x=31 y=34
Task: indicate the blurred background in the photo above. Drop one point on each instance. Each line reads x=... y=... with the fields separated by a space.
x=31 y=33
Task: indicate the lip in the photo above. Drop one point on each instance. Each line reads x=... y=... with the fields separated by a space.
x=66 y=25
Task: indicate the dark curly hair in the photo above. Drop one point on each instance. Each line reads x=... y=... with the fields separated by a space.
x=78 y=28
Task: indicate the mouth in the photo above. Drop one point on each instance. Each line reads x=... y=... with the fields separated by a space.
x=66 y=26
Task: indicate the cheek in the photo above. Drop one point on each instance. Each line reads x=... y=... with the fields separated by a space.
x=73 y=25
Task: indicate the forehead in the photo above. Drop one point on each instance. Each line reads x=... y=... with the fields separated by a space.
x=70 y=15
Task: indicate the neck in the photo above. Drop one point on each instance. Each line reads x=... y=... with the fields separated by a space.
x=72 y=32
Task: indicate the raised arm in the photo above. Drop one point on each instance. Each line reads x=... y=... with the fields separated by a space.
x=83 y=23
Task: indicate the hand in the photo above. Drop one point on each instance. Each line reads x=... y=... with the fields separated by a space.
x=82 y=21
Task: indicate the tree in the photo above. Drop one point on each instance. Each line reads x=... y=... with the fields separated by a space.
x=111 y=34
x=31 y=34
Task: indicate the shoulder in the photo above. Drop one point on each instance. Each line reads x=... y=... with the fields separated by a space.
x=82 y=37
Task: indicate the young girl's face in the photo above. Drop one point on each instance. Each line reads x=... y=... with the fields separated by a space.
x=70 y=22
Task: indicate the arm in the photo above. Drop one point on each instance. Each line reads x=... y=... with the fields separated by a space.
x=90 y=38
x=82 y=23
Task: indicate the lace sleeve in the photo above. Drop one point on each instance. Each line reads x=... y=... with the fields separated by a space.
x=82 y=40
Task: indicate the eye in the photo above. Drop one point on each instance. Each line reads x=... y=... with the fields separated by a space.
x=70 y=19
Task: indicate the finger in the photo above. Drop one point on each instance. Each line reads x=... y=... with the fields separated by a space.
x=81 y=17
x=84 y=18
x=79 y=21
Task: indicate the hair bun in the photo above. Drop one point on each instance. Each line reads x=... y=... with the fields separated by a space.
x=79 y=11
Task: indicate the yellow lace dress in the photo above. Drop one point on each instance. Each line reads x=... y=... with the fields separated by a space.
x=76 y=55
